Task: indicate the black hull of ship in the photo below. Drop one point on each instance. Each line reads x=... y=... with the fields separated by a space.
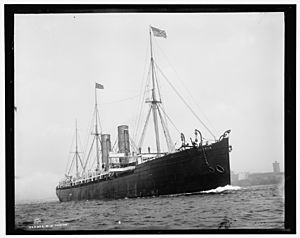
x=185 y=171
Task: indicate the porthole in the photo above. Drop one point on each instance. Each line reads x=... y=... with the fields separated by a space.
x=220 y=169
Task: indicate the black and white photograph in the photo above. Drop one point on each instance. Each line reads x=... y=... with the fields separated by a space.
x=135 y=119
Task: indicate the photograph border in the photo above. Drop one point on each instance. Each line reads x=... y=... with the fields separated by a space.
x=289 y=10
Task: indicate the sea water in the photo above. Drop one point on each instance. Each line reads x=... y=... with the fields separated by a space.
x=229 y=207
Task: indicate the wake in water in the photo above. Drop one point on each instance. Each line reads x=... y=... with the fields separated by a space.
x=223 y=189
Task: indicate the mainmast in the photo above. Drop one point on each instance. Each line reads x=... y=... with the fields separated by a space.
x=96 y=135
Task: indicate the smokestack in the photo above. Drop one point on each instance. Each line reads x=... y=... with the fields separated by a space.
x=123 y=139
x=106 y=148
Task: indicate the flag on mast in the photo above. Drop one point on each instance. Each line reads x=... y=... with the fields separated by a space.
x=99 y=86
x=159 y=33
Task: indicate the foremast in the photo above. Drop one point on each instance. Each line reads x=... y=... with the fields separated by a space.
x=96 y=134
x=155 y=101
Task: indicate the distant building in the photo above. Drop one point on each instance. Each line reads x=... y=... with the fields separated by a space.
x=265 y=178
x=243 y=175
x=276 y=168
x=234 y=177
x=248 y=179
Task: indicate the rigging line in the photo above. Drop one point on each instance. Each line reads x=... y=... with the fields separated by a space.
x=100 y=148
x=80 y=145
x=146 y=89
x=80 y=161
x=133 y=145
x=89 y=130
x=166 y=131
x=100 y=125
x=140 y=108
x=185 y=102
x=71 y=165
x=172 y=123
x=69 y=157
x=113 y=148
x=159 y=93
x=92 y=165
x=92 y=158
x=144 y=79
x=100 y=153
x=77 y=153
x=144 y=129
x=188 y=91
x=169 y=119
x=157 y=85
x=78 y=138
x=165 y=118
x=93 y=162
x=79 y=142
x=88 y=156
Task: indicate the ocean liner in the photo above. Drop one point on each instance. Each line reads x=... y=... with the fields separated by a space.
x=128 y=172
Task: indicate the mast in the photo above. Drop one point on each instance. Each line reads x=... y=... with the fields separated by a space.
x=154 y=102
x=76 y=156
x=96 y=133
x=76 y=152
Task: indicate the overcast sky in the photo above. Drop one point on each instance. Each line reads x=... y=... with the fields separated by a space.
x=228 y=67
